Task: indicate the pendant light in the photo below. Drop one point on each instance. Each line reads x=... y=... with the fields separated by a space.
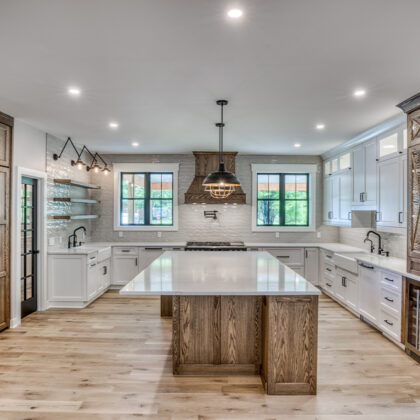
x=221 y=183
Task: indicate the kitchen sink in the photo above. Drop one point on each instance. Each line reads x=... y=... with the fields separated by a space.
x=346 y=261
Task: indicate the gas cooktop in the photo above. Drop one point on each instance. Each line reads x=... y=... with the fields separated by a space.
x=215 y=246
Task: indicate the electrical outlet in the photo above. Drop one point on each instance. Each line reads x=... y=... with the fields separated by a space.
x=60 y=239
x=318 y=235
x=159 y=234
x=51 y=241
x=277 y=234
x=121 y=234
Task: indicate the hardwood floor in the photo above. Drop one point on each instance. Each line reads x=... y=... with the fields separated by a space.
x=112 y=360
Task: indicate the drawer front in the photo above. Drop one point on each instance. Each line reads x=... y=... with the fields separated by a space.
x=327 y=256
x=391 y=280
x=391 y=300
x=329 y=284
x=289 y=256
x=125 y=250
x=390 y=324
x=329 y=271
x=346 y=274
x=92 y=258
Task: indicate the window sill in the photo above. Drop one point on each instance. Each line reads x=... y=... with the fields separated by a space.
x=146 y=228
x=283 y=229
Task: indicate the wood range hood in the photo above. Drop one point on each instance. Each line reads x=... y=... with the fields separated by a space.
x=206 y=162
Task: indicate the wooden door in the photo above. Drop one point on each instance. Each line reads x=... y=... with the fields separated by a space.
x=5 y=140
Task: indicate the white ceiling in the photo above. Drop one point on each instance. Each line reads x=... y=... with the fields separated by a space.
x=158 y=66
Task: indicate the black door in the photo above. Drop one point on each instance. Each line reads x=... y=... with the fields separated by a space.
x=29 y=252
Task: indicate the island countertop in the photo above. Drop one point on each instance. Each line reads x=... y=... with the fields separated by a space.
x=252 y=273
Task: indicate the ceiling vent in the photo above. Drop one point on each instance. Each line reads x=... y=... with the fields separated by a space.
x=205 y=163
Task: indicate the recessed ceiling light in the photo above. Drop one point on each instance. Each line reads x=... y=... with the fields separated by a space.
x=235 y=13
x=320 y=126
x=74 y=91
x=135 y=143
x=113 y=125
x=358 y=93
x=297 y=145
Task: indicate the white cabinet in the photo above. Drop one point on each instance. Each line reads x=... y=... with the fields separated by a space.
x=346 y=288
x=345 y=196
x=364 y=175
x=124 y=269
x=147 y=255
x=93 y=283
x=369 y=292
x=328 y=211
x=104 y=274
x=311 y=265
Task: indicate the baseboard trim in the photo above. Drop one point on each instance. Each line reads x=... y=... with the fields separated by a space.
x=15 y=322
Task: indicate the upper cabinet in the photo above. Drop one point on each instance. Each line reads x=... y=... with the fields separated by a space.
x=392 y=144
x=364 y=175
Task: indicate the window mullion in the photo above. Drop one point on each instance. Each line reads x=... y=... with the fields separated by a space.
x=282 y=201
x=147 y=189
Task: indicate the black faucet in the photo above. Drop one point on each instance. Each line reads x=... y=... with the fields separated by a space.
x=74 y=236
x=69 y=240
x=380 y=250
x=372 y=248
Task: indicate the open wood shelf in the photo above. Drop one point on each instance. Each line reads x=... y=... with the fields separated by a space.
x=75 y=200
x=76 y=183
x=76 y=217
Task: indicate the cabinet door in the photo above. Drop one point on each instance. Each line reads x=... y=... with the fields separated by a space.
x=104 y=274
x=93 y=280
x=402 y=216
x=389 y=184
x=358 y=174
x=388 y=146
x=345 y=195
x=370 y=174
x=124 y=269
x=327 y=199
x=369 y=293
x=147 y=256
x=5 y=139
x=339 y=288
x=335 y=194
x=352 y=292
x=311 y=265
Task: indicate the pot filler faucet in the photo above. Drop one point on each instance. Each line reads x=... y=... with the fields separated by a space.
x=372 y=248
x=74 y=236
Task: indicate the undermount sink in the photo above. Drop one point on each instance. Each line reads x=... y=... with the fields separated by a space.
x=346 y=261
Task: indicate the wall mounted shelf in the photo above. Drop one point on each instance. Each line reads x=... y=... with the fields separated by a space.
x=75 y=200
x=76 y=183
x=76 y=217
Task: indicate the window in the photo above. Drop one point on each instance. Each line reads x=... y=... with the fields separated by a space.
x=334 y=165
x=283 y=199
x=145 y=196
x=388 y=145
x=146 y=199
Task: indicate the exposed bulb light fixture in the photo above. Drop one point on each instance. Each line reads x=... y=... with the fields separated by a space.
x=74 y=91
x=359 y=93
x=79 y=164
x=114 y=125
x=235 y=13
x=320 y=126
x=106 y=171
x=221 y=183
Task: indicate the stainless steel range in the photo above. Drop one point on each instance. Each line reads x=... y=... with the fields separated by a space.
x=215 y=246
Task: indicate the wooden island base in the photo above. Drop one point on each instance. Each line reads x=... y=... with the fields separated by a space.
x=271 y=336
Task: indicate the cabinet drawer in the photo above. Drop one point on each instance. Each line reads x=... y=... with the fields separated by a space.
x=329 y=271
x=390 y=324
x=92 y=258
x=289 y=256
x=391 y=300
x=125 y=250
x=327 y=256
x=329 y=284
x=391 y=280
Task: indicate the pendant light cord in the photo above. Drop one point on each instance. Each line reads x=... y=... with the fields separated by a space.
x=221 y=137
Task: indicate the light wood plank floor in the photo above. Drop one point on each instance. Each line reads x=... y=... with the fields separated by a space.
x=112 y=361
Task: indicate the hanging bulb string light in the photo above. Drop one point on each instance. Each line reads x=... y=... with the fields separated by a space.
x=221 y=183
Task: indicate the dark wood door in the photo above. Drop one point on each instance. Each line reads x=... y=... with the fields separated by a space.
x=28 y=251
x=5 y=147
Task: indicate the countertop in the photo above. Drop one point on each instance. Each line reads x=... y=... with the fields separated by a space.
x=218 y=273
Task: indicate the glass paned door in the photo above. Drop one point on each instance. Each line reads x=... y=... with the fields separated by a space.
x=28 y=252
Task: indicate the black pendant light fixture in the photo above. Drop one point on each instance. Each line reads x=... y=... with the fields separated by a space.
x=221 y=183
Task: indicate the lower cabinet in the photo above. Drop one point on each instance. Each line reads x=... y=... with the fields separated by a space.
x=347 y=288
x=369 y=292
x=311 y=272
x=125 y=264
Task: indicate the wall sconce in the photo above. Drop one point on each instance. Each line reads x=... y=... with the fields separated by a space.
x=79 y=162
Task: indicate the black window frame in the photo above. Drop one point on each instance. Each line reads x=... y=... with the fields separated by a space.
x=147 y=198
x=282 y=200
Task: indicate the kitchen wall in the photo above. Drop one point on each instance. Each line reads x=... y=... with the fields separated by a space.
x=392 y=242
x=58 y=230
x=233 y=223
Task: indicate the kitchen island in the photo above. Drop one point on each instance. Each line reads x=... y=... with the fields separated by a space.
x=238 y=313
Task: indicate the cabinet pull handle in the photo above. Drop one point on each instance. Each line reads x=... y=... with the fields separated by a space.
x=391 y=280
x=328 y=269
x=92 y=258
x=328 y=256
x=283 y=256
x=370 y=267
x=361 y=197
x=401 y=217
x=306 y=253
x=153 y=248
x=389 y=323
x=92 y=265
x=328 y=284
x=388 y=299
x=137 y=261
x=349 y=215
x=125 y=250
x=105 y=270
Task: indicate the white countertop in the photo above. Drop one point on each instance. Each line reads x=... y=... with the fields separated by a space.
x=329 y=246
x=218 y=273
x=79 y=250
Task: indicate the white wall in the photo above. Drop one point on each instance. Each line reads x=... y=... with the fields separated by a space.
x=29 y=147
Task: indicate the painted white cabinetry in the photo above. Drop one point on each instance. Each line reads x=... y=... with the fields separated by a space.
x=364 y=175
x=345 y=196
x=147 y=255
x=311 y=272
x=328 y=208
x=104 y=274
x=346 y=288
x=369 y=292
x=125 y=264
x=93 y=281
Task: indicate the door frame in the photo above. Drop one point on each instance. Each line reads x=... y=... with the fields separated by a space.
x=15 y=271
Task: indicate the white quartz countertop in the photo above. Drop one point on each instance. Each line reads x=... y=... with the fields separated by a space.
x=329 y=246
x=79 y=250
x=218 y=273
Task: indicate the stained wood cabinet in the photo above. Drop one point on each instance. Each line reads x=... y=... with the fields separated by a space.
x=6 y=124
